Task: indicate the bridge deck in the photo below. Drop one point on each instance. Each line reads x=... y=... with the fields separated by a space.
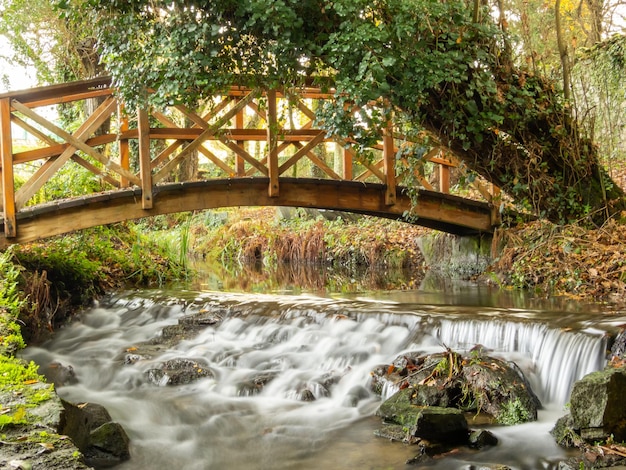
x=252 y=145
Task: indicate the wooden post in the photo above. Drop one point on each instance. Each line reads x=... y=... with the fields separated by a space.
x=444 y=178
x=496 y=217
x=389 y=159
x=347 y=165
x=240 y=167
x=6 y=155
x=145 y=168
x=272 y=143
x=124 y=147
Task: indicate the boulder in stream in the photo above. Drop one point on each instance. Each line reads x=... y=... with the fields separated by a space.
x=179 y=372
x=103 y=442
x=597 y=409
x=475 y=383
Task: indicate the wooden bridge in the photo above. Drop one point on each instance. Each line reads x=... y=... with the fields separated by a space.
x=254 y=148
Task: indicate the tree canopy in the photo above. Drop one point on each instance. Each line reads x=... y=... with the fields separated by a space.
x=445 y=69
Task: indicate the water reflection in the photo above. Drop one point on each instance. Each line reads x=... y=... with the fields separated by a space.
x=295 y=279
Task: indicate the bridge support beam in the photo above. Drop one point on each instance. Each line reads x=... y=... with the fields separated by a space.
x=389 y=163
x=272 y=143
x=6 y=156
x=124 y=146
x=145 y=162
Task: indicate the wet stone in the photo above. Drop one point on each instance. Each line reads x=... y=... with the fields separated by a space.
x=482 y=438
x=179 y=372
x=255 y=383
x=441 y=424
x=395 y=432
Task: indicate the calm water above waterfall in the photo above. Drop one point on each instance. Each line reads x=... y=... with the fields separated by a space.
x=216 y=423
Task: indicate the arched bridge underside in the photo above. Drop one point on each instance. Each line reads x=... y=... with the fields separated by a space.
x=435 y=210
x=242 y=148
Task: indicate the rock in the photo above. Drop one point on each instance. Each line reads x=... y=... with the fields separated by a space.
x=59 y=374
x=355 y=395
x=597 y=406
x=441 y=424
x=179 y=372
x=305 y=395
x=399 y=409
x=395 y=432
x=618 y=349
x=103 y=442
x=108 y=445
x=474 y=383
x=255 y=383
x=501 y=390
x=482 y=438
x=564 y=434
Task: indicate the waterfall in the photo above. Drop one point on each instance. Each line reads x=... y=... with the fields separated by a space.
x=552 y=358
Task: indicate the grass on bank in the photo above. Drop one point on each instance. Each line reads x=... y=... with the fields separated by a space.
x=249 y=235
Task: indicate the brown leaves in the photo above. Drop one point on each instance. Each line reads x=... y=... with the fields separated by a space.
x=567 y=260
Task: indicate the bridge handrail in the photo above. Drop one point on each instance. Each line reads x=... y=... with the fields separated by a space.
x=18 y=108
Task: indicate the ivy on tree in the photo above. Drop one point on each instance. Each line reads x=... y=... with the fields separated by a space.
x=443 y=68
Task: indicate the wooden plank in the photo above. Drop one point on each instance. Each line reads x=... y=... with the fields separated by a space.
x=96 y=171
x=166 y=153
x=272 y=143
x=145 y=168
x=7 y=181
x=444 y=179
x=57 y=92
x=434 y=210
x=170 y=165
x=69 y=98
x=124 y=146
x=303 y=150
x=367 y=173
x=245 y=155
x=240 y=165
x=193 y=117
x=389 y=166
x=34 y=131
x=348 y=172
x=58 y=149
x=202 y=149
x=167 y=133
x=320 y=163
x=216 y=160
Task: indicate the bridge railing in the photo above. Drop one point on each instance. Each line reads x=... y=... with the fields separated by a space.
x=242 y=134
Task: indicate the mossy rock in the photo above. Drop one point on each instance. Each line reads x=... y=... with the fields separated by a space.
x=597 y=405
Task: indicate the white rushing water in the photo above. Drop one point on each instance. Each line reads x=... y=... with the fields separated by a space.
x=319 y=348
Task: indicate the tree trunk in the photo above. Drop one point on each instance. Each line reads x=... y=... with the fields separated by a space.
x=563 y=53
x=544 y=163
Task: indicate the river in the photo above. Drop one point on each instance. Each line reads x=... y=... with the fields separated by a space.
x=216 y=423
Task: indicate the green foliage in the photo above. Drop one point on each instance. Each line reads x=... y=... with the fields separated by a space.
x=10 y=299
x=426 y=62
x=513 y=412
x=59 y=50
